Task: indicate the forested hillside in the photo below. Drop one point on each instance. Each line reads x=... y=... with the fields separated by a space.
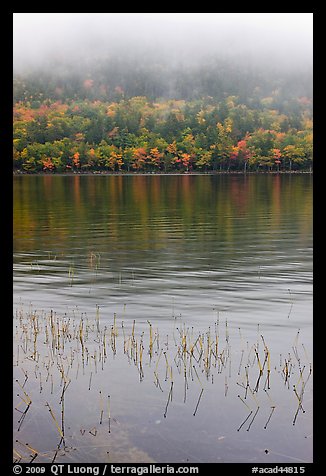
x=147 y=116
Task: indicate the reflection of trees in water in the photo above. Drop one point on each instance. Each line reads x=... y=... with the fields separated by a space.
x=148 y=212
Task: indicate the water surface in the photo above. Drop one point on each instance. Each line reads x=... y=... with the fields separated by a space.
x=225 y=257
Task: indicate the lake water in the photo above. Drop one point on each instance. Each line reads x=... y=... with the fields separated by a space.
x=174 y=312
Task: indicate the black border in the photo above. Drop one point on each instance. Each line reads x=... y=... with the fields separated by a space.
x=7 y=291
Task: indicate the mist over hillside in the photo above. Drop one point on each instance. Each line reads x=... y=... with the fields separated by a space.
x=181 y=56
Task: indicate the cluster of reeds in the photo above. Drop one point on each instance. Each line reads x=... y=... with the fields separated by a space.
x=295 y=360
x=291 y=368
x=259 y=362
x=56 y=350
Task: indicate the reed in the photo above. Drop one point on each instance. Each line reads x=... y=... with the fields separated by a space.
x=62 y=401
x=247 y=381
x=156 y=380
x=157 y=338
x=185 y=385
x=133 y=330
x=291 y=303
x=197 y=376
x=55 y=455
x=226 y=387
x=168 y=401
x=97 y=318
x=286 y=372
x=301 y=371
x=33 y=457
x=22 y=418
x=65 y=386
x=90 y=380
x=167 y=366
x=30 y=448
x=270 y=416
x=268 y=370
x=194 y=348
x=251 y=422
x=115 y=328
x=306 y=353
x=55 y=421
x=244 y=403
x=240 y=365
x=227 y=335
x=109 y=412
x=197 y=405
x=28 y=400
x=141 y=372
x=252 y=392
x=246 y=419
x=229 y=358
x=41 y=386
x=17 y=455
x=150 y=340
x=300 y=407
x=260 y=371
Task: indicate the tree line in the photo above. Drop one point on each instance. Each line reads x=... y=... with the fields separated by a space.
x=164 y=135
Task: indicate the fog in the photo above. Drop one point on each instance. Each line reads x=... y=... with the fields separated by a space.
x=280 y=40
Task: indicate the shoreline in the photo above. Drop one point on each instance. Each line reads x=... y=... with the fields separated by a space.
x=109 y=173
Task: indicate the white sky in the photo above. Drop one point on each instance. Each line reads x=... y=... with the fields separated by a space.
x=275 y=35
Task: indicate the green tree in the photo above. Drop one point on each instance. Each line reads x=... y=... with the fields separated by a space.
x=261 y=144
x=223 y=147
x=293 y=154
x=204 y=159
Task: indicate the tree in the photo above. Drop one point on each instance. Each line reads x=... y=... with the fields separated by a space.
x=223 y=147
x=186 y=161
x=294 y=154
x=241 y=153
x=204 y=159
x=108 y=156
x=114 y=161
x=31 y=165
x=58 y=164
x=75 y=160
x=155 y=158
x=48 y=165
x=171 y=157
x=307 y=147
x=17 y=160
x=139 y=156
x=260 y=144
x=277 y=158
